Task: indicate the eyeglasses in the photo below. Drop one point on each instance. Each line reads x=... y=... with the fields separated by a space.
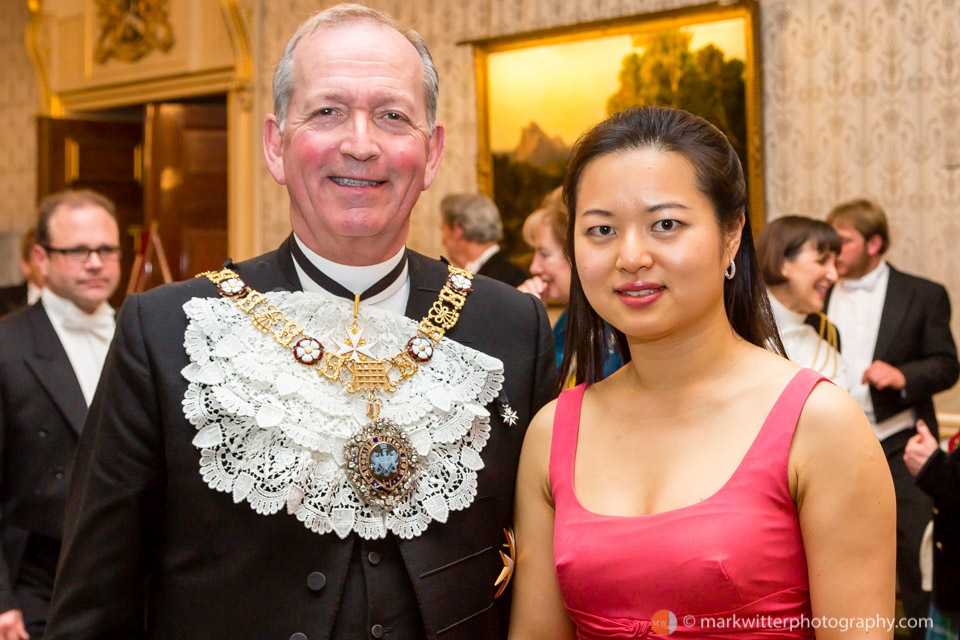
x=82 y=254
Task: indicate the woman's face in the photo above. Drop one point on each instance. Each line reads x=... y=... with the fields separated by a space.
x=550 y=265
x=650 y=253
x=810 y=274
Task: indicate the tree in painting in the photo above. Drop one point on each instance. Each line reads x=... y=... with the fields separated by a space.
x=666 y=72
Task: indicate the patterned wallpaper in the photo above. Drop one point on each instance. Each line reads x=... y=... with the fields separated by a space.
x=861 y=98
x=18 y=137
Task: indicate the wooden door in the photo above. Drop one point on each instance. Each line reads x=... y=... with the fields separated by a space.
x=186 y=185
x=106 y=156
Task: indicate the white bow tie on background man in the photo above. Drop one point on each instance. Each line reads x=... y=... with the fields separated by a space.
x=100 y=323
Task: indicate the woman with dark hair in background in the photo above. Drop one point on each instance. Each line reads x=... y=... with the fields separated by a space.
x=797 y=258
x=709 y=483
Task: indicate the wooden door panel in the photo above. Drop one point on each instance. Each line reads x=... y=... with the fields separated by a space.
x=187 y=188
x=105 y=156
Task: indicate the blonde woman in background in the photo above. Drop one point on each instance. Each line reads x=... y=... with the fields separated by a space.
x=546 y=231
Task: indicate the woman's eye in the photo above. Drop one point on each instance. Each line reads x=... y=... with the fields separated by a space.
x=601 y=230
x=665 y=225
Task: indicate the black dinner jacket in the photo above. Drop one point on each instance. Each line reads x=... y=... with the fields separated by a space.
x=940 y=478
x=12 y=298
x=500 y=268
x=915 y=337
x=41 y=413
x=149 y=545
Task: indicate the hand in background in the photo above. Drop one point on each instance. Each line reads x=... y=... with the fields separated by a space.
x=884 y=376
x=534 y=285
x=919 y=448
x=11 y=626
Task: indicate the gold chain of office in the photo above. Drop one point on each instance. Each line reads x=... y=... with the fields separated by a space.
x=352 y=366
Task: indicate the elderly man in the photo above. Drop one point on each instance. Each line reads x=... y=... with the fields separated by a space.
x=28 y=292
x=470 y=228
x=51 y=354
x=320 y=442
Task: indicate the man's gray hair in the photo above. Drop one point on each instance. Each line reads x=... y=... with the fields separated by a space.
x=475 y=213
x=341 y=14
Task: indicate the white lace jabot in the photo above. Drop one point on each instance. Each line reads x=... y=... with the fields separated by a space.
x=271 y=431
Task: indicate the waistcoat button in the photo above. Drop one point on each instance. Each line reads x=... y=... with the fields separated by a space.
x=315 y=582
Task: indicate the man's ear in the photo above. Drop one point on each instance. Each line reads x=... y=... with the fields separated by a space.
x=40 y=257
x=874 y=245
x=273 y=148
x=434 y=154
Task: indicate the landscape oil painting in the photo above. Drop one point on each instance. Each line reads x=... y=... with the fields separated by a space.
x=538 y=92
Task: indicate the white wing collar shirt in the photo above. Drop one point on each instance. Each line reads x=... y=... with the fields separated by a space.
x=855 y=307
x=475 y=265
x=358 y=279
x=85 y=337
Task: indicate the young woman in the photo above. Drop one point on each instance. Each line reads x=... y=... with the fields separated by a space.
x=710 y=487
x=797 y=258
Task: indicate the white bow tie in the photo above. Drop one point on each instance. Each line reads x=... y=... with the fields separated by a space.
x=862 y=284
x=100 y=324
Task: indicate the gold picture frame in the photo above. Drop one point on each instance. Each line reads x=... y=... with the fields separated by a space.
x=542 y=89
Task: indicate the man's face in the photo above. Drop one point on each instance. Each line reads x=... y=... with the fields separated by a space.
x=356 y=150
x=87 y=284
x=854 y=259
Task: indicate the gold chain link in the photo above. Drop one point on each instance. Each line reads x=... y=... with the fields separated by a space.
x=364 y=374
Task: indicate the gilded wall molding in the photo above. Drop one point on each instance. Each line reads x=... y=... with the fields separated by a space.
x=37 y=42
x=238 y=27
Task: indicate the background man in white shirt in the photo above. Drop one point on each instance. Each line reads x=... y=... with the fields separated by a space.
x=471 y=226
x=897 y=343
x=51 y=355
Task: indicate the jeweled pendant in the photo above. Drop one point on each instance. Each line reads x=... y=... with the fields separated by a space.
x=382 y=464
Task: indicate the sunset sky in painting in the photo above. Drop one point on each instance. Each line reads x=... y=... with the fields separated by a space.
x=564 y=87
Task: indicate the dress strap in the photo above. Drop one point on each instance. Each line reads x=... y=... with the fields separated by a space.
x=771 y=448
x=563 y=444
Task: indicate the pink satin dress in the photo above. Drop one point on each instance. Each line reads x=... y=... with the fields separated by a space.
x=731 y=565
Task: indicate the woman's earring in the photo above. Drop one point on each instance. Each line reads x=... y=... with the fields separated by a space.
x=731 y=270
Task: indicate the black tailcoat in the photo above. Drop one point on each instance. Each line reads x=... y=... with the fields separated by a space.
x=500 y=268
x=41 y=413
x=915 y=337
x=940 y=478
x=151 y=551
x=12 y=298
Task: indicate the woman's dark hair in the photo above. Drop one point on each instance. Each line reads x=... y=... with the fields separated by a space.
x=719 y=177
x=782 y=240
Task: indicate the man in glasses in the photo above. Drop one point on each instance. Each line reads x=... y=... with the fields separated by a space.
x=51 y=355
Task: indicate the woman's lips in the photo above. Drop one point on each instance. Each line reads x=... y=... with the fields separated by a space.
x=640 y=294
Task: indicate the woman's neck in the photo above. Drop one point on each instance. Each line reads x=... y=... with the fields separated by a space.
x=688 y=358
